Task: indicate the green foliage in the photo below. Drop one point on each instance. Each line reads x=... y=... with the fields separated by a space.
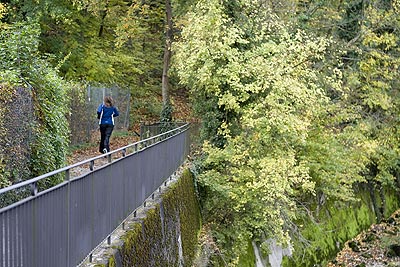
x=166 y=118
x=16 y=133
x=19 y=45
x=146 y=106
x=291 y=117
x=351 y=20
x=166 y=113
x=334 y=164
x=263 y=81
x=49 y=149
x=6 y=93
x=283 y=126
x=22 y=65
x=113 y=42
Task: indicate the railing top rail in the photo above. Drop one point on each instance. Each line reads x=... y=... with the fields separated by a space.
x=163 y=136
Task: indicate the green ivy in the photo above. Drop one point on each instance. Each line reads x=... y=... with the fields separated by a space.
x=22 y=66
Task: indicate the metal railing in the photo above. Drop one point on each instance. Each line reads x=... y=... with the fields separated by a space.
x=60 y=226
x=148 y=130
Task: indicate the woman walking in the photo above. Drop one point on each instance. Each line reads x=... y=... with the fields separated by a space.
x=106 y=113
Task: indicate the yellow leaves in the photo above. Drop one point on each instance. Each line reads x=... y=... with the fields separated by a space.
x=229 y=102
x=377 y=98
x=3 y=10
x=386 y=40
x=370 y=146
x=396 y=6
x=224 y=129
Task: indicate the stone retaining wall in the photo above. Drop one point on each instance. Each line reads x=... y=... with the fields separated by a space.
x=163 y=232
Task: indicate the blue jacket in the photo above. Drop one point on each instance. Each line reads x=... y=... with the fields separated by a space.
x=106 y=114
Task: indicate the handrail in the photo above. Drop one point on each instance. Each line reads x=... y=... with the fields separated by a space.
x=67 y=221
x=162 y=136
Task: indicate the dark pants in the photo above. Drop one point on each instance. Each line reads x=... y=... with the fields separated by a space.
x=105 y=131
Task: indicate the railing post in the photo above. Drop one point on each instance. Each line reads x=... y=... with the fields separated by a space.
x=67 y=175
x=141 y=130
x=34 y=189
x=67 y=178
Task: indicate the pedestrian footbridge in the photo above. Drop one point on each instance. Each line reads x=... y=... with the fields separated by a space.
x=60 y=226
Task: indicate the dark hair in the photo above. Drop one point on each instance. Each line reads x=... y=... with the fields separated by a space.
x=108 y=101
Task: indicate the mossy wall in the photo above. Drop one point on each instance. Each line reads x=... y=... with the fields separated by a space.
x=332 y=227
x=168 y=234
x=248 y=259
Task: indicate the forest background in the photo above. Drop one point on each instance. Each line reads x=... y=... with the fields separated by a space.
x=298 y=100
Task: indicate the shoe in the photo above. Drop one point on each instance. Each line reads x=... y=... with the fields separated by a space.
x=105 y=150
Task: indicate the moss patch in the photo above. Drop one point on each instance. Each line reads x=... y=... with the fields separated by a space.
x=168 y=233
x=248 y=259
x=332 y=228
x=111 y=262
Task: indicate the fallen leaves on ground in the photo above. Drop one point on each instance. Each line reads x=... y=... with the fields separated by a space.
x=91 y=150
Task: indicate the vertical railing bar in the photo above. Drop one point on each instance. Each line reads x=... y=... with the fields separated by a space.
x=91 y=166
x=67 y=177
x=34 y=189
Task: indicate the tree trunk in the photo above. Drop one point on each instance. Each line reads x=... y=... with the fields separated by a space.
x=167 y=52
x=103 y=16
x=383 y=200
x=374 y=200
